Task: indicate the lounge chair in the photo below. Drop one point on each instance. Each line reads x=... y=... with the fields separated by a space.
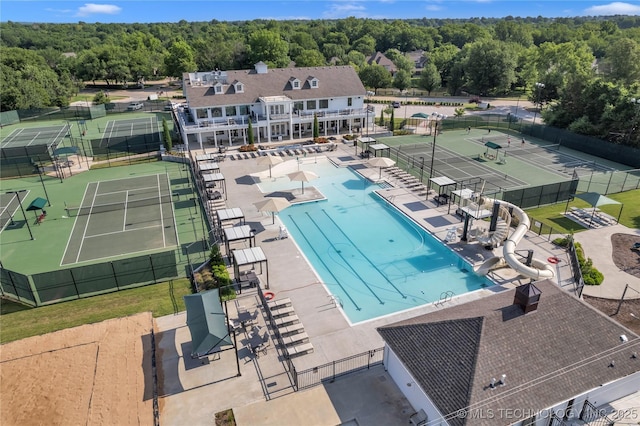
x=282 y=311
x=295 y=339
x=279 y=303
x=285 y=321
x=300 y=349
x=291 y=329
x=282 y=234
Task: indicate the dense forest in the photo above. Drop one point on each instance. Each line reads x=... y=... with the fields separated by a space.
x=584 y=72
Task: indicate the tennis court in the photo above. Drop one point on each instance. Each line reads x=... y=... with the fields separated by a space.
x=51 y=136
x=122 y=216
x=116 y=130
x=9 y=206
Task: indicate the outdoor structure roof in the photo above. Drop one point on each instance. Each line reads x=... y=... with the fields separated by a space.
x=563 y=349
x=492 y=145
x=207 y=323
x=596 y=200
x=37 y=204
x=333 y=81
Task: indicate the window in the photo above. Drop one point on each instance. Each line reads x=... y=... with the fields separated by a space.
x=314 y=83
x=349 y=101
x=245 y=109
x=201 y=113
x=296 y=84
x=298 y=106
x=311 y=104
x=230 y=111
x=239 y=88
x=218 y=88
x=216 y=112
x=324 y=103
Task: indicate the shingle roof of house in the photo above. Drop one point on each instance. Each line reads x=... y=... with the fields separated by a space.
x=332 y=82
x=380 y=59
x=563 y=349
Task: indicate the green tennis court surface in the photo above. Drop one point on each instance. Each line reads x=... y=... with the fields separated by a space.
x=9 y=206
x=122 y=216
x=49 y=136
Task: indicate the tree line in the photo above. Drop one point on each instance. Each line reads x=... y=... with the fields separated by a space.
x=583 y=72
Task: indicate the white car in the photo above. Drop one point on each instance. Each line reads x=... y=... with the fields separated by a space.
x=133 y=106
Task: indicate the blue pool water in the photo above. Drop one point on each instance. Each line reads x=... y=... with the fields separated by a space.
x=369 y=255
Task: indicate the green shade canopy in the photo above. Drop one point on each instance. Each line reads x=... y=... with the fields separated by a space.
x=596 y=200
x=207 y=323
x=37 y=204
x=420 y=115
x=67 y=150
x=492 y=145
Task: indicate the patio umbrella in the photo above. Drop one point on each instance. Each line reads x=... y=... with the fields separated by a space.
x=381 y=162
x=302 y=176
x=273 y=205
x=269 y=160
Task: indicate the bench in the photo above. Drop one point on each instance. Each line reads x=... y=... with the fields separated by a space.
x=295 y=339
x=283 y=321
x=300 y=349
x=279 y=303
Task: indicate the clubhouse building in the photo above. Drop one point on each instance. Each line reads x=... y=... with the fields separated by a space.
x=277 y=104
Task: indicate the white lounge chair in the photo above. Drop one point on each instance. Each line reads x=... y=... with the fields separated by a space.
x=295 y=339
x=283 y=311
x=291 y=329
x=300 y=349
x=279 y=303
x=286 y=320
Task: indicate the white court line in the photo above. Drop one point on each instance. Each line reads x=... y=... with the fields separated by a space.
x=121 y=232
x=127 y=190
x=164 y=238
x=86 y=225
x=124 y=221
x=75 y=222
x=33 y=139
x=11 y=137
x=175 y=224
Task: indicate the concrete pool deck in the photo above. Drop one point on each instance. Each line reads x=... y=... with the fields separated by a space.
x=192 y=391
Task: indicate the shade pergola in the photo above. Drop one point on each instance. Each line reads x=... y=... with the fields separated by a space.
x=380 y=147
x=596 y=200
x=207 y=324
x=206 y=157
x=234 y=213
x=215 y=179
x=249 y=256
x=239 y=233
x=209 y=166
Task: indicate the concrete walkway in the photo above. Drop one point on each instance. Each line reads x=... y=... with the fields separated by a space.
x=193 y=391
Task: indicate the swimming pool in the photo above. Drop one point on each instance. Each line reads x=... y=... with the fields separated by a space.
x=371 y=257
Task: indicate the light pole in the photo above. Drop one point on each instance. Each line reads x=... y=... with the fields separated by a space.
x=22 y=209
x=39 y=167
x=636 y=103
x=539 y=86
x=421 y=168
x=433 y=154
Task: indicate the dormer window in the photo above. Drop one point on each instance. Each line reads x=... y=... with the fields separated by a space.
x=295 y=83
x=239 y=87
x=218 y=88
x=313 y=82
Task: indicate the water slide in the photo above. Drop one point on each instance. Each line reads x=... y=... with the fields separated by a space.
x=538 y=269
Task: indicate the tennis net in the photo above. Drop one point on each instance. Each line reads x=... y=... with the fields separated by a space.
x=103 y=208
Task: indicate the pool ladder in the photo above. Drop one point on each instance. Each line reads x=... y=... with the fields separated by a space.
x=336 y=301
x=445 y=296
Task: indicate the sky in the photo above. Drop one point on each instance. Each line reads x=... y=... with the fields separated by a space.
x=147 y=11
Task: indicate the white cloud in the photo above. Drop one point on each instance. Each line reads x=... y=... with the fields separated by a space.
x=345 y=9
x=433 y=8
x=615 y=8
x=98 y=9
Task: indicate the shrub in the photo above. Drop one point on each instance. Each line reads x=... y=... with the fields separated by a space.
x=221 y=275
x=321 y=140
x=215 y=256
x=248 y=148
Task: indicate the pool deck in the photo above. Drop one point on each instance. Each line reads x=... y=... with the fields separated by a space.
x=193 y=391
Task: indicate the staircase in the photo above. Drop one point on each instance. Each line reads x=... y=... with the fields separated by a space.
x=503 y=223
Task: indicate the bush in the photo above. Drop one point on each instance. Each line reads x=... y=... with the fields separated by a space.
x=248 y=148
x=221 y=275
x=215 y=256
x=320 y=140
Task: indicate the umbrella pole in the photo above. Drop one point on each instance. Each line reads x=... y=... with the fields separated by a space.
x=270 y=170
x=273 y=218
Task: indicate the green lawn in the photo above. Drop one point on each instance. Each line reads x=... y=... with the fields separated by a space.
x=551 y=216
x=161 y=299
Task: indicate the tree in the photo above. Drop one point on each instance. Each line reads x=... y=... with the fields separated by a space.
x=250 y=136
x=310 y=58
x=382 y=117
x=623 y=56
x=375 y=76
x=429 y=78
x=179 y=60
x=490 y=67
x=166 y=135
x=402 y=80
x=316 y=128
x=100 y=98
x=269 y=47
x=392 y=124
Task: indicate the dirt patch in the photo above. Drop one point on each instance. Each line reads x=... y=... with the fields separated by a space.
x=624 y=258
x=92 y=374
x=628 y=261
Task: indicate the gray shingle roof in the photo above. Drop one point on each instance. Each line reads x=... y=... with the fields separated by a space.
x=334 y=81
x=561 y=350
